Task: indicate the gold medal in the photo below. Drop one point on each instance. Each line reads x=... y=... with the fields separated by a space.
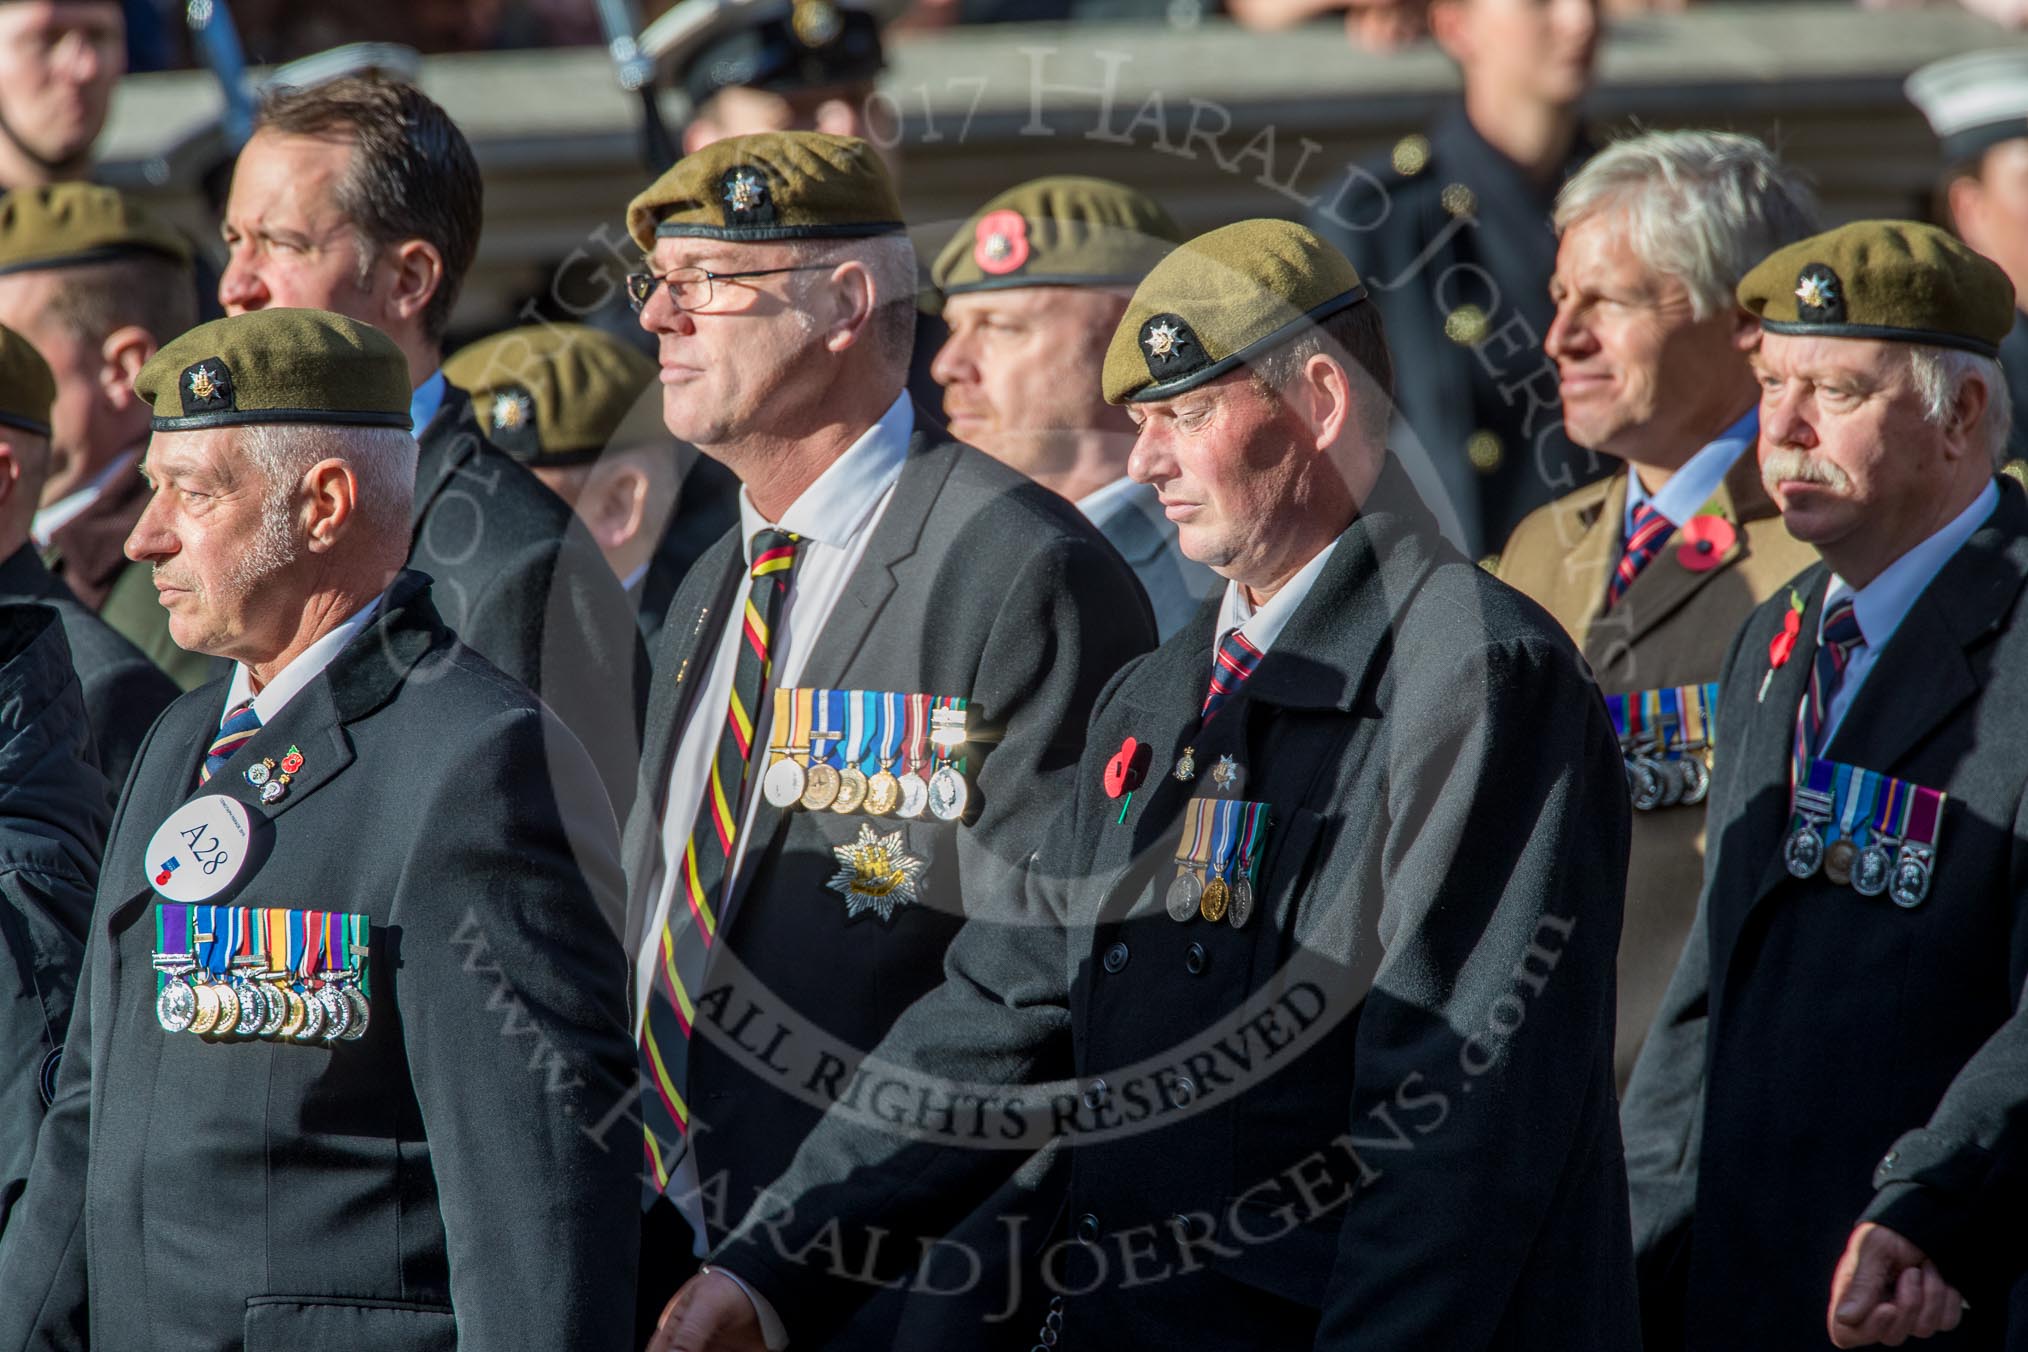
x=1838 y=861
x=822 y=789
x=883 y=793
x=1214 y=901
x=851 y=791
x=208 y=1006
x=298 y=1012
x=228 y=1011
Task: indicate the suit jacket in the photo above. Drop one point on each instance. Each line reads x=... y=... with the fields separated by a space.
x=1304 y=1131
x=53 y=814
x=1454 y=242
x=1177 y=585
x=89 y=557
x=976 y=583
x=429 y=1186
x=518 y=580
x=1670 y=628
x=123 y=691
x=707 y=507
x=1807 y=1027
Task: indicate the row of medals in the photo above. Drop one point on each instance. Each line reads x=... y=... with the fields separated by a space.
x=1214 y=900
x=1869 y=871
x=263 y=1004
x=1653 y=782
x=944 y=795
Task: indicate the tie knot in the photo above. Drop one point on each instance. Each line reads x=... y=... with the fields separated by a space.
x=1645 y=518
x=773 y=551
x=1237 y=654
x=1841 y=625
x=242 y=719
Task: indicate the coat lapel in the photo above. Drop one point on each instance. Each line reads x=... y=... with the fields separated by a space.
x=1590 y=532
x=445 y=444
x=1770 y=743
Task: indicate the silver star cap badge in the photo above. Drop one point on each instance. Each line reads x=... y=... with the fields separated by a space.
x=1162 y=340
x=743 y=191
x=1814 y=291
x=876 y=874
x=510 y=410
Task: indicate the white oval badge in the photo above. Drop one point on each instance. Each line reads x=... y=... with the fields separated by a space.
x=200 y=849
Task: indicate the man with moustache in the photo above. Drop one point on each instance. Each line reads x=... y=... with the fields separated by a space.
x=1859 y=940
x=296 y=1106
x=123 y=692
x=361 y=196
x=1653 y=569
x=1452 y=231
x=98 y=283
x=1033 y=286
x=1380 y=1114
x=873 y=696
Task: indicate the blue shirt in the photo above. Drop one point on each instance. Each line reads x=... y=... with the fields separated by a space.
x=1883 y=603
x=1692 y=486
x=424 y=403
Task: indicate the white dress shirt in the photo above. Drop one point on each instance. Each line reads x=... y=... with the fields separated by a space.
x=304 y=668
x=836 y=517
x=1692 y=486
x=1883 y=603
x=1261 y=626
x=76 y=503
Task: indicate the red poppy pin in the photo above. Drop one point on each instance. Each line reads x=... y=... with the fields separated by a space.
x=1123 y=771
x=1784 y=643
x=1705 y=540
x=1000 y=242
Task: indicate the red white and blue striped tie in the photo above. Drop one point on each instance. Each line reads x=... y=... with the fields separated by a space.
x=235 y=732
x=1840 y=636
x=1230 y=666
x=692 y=927
x=1651 y=532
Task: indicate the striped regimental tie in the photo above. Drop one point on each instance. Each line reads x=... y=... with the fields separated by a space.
x=1839 y=637
x=1230 y=666
x=690 y=930
x=1651 y=531
x=235 y=732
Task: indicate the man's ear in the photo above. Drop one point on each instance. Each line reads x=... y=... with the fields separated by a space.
x=1967 y=412
x=331 y=496
x=121 y=356
x=854 y=298
x=418 y=275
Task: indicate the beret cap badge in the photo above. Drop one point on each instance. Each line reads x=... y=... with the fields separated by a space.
x=746 y=198
x=511 y=410
x=1171 y=346
x=207 y=387
x=1819 y=297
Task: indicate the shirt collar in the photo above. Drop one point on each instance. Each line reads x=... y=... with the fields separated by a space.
x=834 y=508
x=304 y=668
x=1264 y=624
x=1690 y=487
x=76 y=503
x=1881 y=604
x=424 y=403
x=1102 y=503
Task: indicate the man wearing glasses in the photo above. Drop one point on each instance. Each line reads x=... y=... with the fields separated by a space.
x=873 y=692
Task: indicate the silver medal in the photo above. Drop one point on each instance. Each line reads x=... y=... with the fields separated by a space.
x=1184 y=894
x=784 y=782
x=1911 y=877
x=1873 y=870
x=1239 y=907
x=176 y=1006
x=1803 y=853
x=361 y=1012
x=1696 y=780
x=915 y=796
x=948 y=794
x=1644 y=784
x=337 y=1011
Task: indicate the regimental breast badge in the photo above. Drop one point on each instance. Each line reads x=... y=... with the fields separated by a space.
x=876 y=874
x=206 y=387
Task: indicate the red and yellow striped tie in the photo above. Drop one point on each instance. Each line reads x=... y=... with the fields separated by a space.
x=692 y=926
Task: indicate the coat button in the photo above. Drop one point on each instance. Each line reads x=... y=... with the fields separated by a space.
x=1096 y=1094
x=1087 y=1229
x=1195 y=959
x=1187 y=1225
x=1184 y=1090
x=1116 y=959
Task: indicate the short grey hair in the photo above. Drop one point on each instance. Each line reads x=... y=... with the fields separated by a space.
x=1703 y=207
x=1941 y=372
x=382 y=460
x=892 y=261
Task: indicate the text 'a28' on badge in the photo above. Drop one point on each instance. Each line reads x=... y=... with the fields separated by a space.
x=200 y=849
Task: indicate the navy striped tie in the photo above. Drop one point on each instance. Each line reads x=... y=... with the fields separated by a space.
x=1651 y=531
x=1230 y=666
x=235 y=732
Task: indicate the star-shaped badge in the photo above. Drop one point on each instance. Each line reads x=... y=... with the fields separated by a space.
x=202 y=386
x=511 y=410
x=1816 y=292
x=744 y=190
x=876 y=874
x=1163 y=340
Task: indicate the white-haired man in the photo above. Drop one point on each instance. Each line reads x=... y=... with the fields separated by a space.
x=903 y=638
x=1859 y=940
x=345 y=893
x=1653 y=568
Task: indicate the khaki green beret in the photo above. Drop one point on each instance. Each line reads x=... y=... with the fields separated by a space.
x=277 y=366
x=556 y=394
x=72 y=224
x=1221 y=299
x=1898 y=280
x=1062 y=231
x=776 y=185
x=27 y=389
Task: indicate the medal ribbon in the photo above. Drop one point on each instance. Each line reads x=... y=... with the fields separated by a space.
x=1841 y=802
x=800 y=725
x=313 y=945
x=865 y=713
x=1616 y=710
x=1812 y=800
x=835 y=722
x=1925 y=818
x=357 y=940
x=1249 y=842
x=1197 y=835
x=278 y=939
x=784 y=725
x=1890 y=812
x=172 y=936
x=914 y=738
x=1672 y=739
x=890 y=732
